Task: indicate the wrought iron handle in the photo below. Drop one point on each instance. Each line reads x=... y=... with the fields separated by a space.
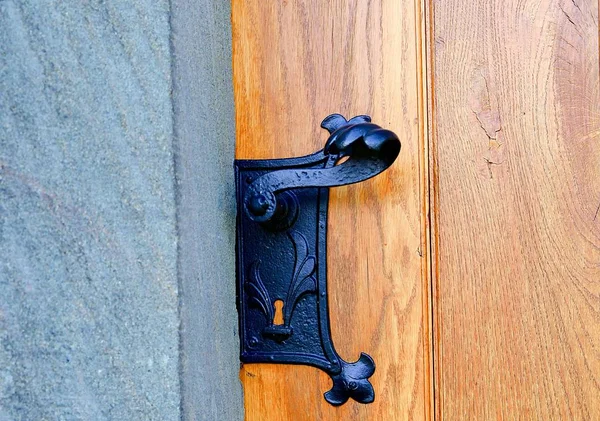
x=371 y=150
x=282 y=252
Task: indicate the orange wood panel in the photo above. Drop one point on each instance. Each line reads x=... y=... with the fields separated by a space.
x=295 y=62
x=516 y=173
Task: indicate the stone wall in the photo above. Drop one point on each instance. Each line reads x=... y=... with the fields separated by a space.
x=89 y=279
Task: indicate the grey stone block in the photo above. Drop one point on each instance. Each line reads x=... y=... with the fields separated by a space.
x=204 y=135
x=88 y=245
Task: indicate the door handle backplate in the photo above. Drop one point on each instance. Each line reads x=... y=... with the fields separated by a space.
x=282 y=252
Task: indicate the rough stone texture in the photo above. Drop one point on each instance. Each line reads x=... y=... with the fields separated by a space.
x=88 y=245
x=205 y=137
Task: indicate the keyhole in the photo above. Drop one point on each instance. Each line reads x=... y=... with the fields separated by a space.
x=278 y=319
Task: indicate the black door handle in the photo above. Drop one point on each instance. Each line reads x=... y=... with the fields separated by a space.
x=369 y=148
x=281 y=252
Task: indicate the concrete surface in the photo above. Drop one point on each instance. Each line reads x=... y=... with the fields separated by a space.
x=88 y=244
x=205 y=137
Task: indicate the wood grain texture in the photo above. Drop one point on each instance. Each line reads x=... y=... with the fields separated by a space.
x=295 y=62
x=516 y=164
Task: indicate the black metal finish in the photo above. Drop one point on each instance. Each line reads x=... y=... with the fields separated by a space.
x=281 y=251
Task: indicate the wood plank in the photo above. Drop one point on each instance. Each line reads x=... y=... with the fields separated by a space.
x=515 y=162
x=295 y=63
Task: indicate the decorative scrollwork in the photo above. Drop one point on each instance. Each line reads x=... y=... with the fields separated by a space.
x=352 y=382
x=258 y=294
x=302 y=282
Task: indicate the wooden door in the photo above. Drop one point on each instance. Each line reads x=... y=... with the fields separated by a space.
x=470 y=270
x=516 y=152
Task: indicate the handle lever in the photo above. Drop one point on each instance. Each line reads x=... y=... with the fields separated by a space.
x=371 y=150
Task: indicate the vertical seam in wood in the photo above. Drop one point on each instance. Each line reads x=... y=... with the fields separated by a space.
x=432 y=220
x=421 y=20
